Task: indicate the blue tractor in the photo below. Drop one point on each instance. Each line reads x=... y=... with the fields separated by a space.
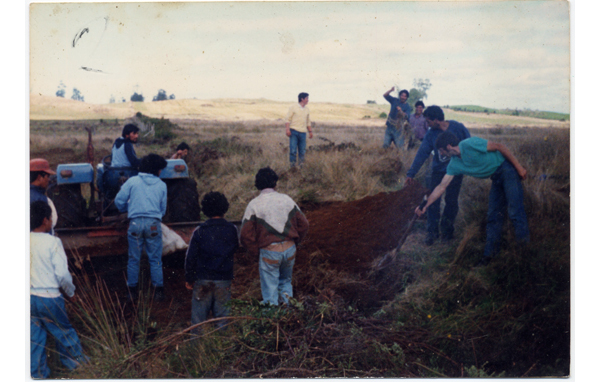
x=75 y=211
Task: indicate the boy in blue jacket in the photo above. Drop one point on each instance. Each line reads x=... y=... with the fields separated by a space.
x=209 y=261
x=144 y=197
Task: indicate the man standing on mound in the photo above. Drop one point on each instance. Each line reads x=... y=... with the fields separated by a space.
x=272 y=226
x=296 y=126
x=398 y=110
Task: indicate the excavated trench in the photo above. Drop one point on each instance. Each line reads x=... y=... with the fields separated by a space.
x=334 y=261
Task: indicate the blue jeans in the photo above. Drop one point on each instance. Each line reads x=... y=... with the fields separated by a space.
x=144 y=233
x=506 y=194
x=393 y=135
x=275 y=269
x=49 y=315
x=446 y=223
x=297 y=146
x=210 y=295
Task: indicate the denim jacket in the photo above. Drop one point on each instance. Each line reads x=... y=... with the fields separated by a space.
x=428 y=145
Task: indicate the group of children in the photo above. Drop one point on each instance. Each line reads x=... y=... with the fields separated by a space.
x=273 y=225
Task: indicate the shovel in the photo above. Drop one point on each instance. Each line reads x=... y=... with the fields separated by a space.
x=391 y=256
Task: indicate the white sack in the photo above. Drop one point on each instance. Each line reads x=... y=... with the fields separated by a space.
x=171 y=241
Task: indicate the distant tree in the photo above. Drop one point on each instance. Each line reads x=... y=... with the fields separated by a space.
x=172 y=96
x=371 y=102
x=415 y=95
x=422 y=85
x=161 y=96
x=137 y=97
x=77 y=96
x=419 y=91
x=123 y=99
x=61 y=90
x=112 y=99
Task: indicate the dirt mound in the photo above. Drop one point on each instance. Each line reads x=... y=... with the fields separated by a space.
x=352 y=234
x=331 y=146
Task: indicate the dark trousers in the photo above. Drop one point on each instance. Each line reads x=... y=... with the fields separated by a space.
x=506 y=197
x=446 y=224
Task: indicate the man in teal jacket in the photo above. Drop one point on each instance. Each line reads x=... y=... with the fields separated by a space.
x=144 y=197
x=483 y=159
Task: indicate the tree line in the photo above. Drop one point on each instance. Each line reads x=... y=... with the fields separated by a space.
x=135 y=97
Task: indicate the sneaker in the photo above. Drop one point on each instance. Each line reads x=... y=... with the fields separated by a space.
x=159 y=294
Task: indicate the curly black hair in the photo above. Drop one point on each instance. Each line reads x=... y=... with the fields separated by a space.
x=152 y=164
x=265 y=178
x=214 y=204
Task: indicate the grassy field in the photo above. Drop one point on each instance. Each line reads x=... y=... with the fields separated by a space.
x=257 y=110
x=524 y=113
x=446 y=319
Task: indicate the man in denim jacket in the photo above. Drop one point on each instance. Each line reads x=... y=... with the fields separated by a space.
x=434 y=115
x=144 y=197
x=398 y=109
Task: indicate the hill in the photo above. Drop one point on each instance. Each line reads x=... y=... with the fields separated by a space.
x=56 y=108
x=516 y=112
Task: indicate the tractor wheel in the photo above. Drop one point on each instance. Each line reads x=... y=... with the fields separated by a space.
x=70 y=205
x=182 y=201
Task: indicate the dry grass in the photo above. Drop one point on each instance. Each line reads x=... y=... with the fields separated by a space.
x=244 y=110
x=444 y=316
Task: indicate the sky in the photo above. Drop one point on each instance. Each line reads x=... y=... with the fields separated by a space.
x=509 y=54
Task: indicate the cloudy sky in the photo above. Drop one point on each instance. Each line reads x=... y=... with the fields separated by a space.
x=497 y=54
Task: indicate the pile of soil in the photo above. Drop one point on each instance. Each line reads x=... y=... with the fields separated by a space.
x=353 y=234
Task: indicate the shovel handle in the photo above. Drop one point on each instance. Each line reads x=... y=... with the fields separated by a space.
x=410 y=224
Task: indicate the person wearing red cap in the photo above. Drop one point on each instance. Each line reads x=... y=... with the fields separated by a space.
x=39 y=178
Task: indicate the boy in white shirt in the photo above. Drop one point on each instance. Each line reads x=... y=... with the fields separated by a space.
x=50 y=274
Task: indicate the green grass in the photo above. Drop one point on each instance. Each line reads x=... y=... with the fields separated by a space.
x=516 y=112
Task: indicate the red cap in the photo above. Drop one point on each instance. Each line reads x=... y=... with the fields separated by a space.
x=40 y=164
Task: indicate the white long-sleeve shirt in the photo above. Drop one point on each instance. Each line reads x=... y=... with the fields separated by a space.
x=49 y=268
